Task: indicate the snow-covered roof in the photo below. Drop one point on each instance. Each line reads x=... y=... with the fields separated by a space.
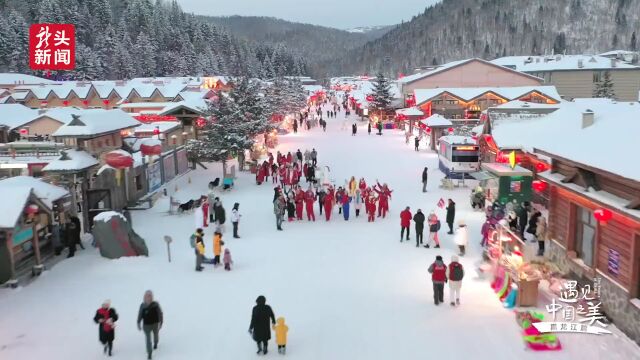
x=517 y=104
x=14 y=79
x=14 y=199
x=604 y=145
x=61 y=90
x=312 y=88
x=72 y=160
x=195 y=105
x=412 y=111
x=467 y=94
x=561 y=62
x=441 y=68
x=96 y=122
x=457 y=139
x=436 y=120
x=107 y=215
x=163 y=126
x=159 y=105
x=16 y=115
x=618 y=52
x=6 y=99
x=20 y=95
x=46 y=192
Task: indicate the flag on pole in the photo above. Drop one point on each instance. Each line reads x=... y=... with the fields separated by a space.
x=441 y=203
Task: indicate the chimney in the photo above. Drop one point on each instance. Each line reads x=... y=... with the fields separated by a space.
x=587 y=118
x=41 y=111
x=614 y=63
x=580 y=63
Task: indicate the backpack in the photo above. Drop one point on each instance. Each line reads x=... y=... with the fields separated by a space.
x=192 y=241
x=456 y=272
x=438 y=225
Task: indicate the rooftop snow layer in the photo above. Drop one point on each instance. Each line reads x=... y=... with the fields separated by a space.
x=96 y=122
x=467 y=94
x=46 y=192
x=16 y=115
x=561 y=62
x=436 y=120
x=604 y=145
x=75 y=160
x=14 y=199
x=13 y=79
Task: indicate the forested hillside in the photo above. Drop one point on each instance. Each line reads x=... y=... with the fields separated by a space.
x=314 y=43
x=121 y=39
x=458 y=29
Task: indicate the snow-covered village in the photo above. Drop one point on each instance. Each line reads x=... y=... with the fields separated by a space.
x=429 y=179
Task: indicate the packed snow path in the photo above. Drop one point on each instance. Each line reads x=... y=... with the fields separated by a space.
x=349 y=290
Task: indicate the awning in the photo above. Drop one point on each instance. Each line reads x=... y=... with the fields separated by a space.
x=483 y=175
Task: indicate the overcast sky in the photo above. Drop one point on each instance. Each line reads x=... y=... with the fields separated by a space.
x=341 y=14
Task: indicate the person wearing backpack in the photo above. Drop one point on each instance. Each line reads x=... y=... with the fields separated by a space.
x=455 y=273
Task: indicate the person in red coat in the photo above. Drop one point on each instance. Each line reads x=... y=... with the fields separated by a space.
x=289 y=158
x=328 y=204
x=282 y=171
x=305 y=170
x=371 y=208
x=299 y=203
x=405 y=222
x=205 y=211
x=309 y=200
x=362 y=184
x=260 y=175
x=438 y=271
x=270 y=159
x=385 y=195
x=295 y=177
x=106 y=317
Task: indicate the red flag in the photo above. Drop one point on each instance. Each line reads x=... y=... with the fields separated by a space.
x=441 y=203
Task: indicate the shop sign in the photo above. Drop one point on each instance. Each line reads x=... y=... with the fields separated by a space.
x=22 y=235
x=577 y=310
x=613 y=264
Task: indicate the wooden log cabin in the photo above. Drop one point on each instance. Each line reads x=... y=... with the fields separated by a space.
x=594 y=232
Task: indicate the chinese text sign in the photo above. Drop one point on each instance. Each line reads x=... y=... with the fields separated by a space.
x=52 y=46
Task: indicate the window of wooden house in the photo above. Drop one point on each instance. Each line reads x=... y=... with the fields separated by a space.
x=585 y=235
x=437 y=102
x=99 y=144
x=107 y=142
x=452 y=102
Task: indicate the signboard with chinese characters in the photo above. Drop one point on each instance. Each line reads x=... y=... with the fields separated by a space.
x=52 y=46
x=613 y=265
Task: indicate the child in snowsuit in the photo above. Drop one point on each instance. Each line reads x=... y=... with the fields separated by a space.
x=226 y=259
x=217 y=248
x=281 y=335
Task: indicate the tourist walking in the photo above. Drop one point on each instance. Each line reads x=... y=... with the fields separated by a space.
x=235 y=219
x=425 y=178
x=278 y=210
x=438 y=271
x=260 y=329
x=419 y=219
x=416 y=143
x=369 y=128
x=281 y=330
x=455 y=274
x=451 y=215
x=150 y=315
x=462 y=237
x=434 y=227
x=314 y=157
x=405 y=222
x=106 y=318
x=541 y=234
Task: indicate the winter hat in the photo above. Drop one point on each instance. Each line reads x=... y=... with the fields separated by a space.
x=438 y=258
x=261 y=300
x=454 y=258
x=236 y=206
x=226 y=251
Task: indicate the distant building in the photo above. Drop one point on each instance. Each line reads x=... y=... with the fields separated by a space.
x=468 y=73
x=576 y=76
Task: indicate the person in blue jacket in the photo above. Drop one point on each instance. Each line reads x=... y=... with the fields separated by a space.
x=345 y=205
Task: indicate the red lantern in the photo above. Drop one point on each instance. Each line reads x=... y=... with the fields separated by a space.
x=151 y=147
x=428 y=130
x=43 y=103
x=541 y=167
x=106 y=102
x=156 y=131
x=200 y=122
x=24 y=132
x=31 y=209
x=450 y=129
x=369 y=98
x=602 y=215
x=539 y=185
x=85 y=102
x=119 y=159
x=65 y=103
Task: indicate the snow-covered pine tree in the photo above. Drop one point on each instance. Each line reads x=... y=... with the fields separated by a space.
x=604 y=87
x=381 y=94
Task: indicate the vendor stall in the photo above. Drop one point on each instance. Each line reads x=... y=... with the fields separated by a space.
x=504 y=184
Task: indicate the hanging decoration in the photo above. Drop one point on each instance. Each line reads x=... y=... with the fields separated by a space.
x=150 y=147
x=542 y=166
x=32 y=209
x=539 y=186
x=119 y=160
x=602 y=215
x=200 y=122
x=65 y=103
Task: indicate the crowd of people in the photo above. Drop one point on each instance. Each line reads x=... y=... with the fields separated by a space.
x=521 y=219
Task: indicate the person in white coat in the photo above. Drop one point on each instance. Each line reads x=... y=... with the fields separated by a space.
x=455 y=274
x=462 y=237
x=235 y=219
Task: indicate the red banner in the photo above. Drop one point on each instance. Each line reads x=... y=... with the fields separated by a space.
x=52 y=46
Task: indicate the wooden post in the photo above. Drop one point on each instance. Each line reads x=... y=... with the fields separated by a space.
x=36 y=245
x=168 y=240
x=85 y=203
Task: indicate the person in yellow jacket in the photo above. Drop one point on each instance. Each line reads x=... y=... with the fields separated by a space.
x=281 y=335
x=198 y=244
x=217 y=248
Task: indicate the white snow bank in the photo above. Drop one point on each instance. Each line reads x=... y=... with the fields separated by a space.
x=107 y=215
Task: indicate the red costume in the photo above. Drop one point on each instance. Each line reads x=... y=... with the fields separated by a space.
x=260 y=175
x=205 y=213
x=328 y=204
x=309 y=200
x=299 y=199
x=283 y=175
x=371 y=209
x=362 y=185
x=289 y=158
x=405 y=218
x=384 y=194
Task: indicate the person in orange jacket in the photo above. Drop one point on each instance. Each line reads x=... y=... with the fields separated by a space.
x=281 y=330
x=217 y=248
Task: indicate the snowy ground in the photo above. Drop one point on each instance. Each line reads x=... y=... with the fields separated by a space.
x=349 y=290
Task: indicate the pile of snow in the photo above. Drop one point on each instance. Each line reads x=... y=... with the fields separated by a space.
x=107 y=215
